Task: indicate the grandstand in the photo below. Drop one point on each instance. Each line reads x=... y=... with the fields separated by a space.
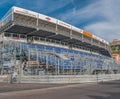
x=35 y=44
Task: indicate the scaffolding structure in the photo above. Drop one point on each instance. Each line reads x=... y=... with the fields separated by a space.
x=35 y=44
x=32 y=59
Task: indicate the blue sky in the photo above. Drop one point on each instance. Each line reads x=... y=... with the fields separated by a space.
x=99 y=17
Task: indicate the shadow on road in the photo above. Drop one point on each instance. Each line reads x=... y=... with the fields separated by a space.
x=111 y=96
x=112 y=91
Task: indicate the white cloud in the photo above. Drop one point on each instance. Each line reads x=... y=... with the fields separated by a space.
x=109 y=28
x=105 y=30
x=78 y=15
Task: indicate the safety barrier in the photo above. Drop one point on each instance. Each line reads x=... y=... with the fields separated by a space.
x=70 y=78
x=3 y=79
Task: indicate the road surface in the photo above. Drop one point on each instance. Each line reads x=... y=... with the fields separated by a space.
x=106 y=90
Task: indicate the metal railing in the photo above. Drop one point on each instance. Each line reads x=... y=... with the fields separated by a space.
x=36 y=61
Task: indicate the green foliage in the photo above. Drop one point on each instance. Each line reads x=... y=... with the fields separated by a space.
x=115 y=49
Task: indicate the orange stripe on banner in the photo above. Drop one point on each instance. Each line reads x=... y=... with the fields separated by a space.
x=87 y=34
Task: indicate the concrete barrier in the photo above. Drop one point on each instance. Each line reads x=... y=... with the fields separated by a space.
x=64 y=78
x=69 y=78
x=4 y=78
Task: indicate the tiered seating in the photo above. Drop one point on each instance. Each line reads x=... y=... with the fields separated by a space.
x=51 y=56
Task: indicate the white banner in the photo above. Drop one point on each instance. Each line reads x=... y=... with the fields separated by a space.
x=47 y=18
x=77 y=29
x=25 y=12
x=64 y=24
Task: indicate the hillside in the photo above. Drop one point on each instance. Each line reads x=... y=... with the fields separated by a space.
x=115 y=49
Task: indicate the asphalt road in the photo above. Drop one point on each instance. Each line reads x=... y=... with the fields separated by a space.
x=107 y=90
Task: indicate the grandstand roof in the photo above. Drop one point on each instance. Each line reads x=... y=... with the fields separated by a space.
x=22 y=21
x=45 y=18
